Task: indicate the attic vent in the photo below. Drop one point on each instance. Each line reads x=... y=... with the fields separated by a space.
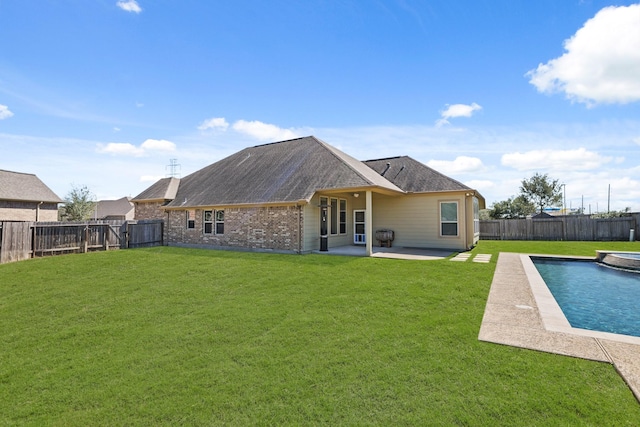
x=386 y=169
x=401 y=169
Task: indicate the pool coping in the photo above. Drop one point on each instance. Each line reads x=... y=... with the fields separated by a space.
x=521 y=312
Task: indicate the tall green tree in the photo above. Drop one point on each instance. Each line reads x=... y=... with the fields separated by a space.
x=513 y=207
x=542 y=191
x=79 y=204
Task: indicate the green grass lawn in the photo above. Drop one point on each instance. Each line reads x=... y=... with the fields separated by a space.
x=169 y=336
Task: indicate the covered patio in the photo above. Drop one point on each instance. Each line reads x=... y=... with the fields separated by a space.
x=384 y=252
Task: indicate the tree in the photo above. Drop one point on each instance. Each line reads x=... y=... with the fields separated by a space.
x=613 y=214
x=79 y=204
x=542 y=191
x=513 y=207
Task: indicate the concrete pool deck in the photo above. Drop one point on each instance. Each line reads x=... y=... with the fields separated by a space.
x=521 y=312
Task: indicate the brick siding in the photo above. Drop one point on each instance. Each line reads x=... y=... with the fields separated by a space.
x=149 y=210
x=27 y=211
x=274 y=228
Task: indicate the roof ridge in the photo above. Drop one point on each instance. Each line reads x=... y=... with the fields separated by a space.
x=279 y=142
x=384 y=158
x=21 y=173
x=333 y=149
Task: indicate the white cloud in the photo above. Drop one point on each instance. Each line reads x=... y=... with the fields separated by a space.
x=555 y=160
x=5 y=113
x=461 y=164
x=457 y=110
x=214 y=123
x=601 y=63
x=129 y=6
x=126 y=149
x=120 y=148
x=158 y=145
x=480 y=184
x=263 y=131
x=637 y=140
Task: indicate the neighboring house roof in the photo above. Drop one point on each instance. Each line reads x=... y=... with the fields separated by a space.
x=280 y=172
x=110 y=208
x=544 y=215
x=413 y=176
x=25 y=187
x=163 y=190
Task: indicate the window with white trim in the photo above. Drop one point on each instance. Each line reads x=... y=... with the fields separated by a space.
x=207 y=222
x=213 y=222
x=448 y=218
x=219 y=223
x=333 y=206
x=191 y=219
x=337 y=215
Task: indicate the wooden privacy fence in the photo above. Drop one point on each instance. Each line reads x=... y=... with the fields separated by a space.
x=571 y=227
x=22 y=240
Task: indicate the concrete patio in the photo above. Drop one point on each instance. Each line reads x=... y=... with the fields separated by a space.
x=393 y=252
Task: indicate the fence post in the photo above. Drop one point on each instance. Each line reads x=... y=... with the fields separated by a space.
x=105 y=236
x=85 y=244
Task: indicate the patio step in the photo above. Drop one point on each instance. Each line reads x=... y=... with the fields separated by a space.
x=462 y=256
x=485 y=258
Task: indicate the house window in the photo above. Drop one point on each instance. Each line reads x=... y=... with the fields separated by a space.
x=213 y=222
x=334 y=216
x=207 y=222
x=219 y=222
x=191 y=219
x=449 y=218
x=343 y=216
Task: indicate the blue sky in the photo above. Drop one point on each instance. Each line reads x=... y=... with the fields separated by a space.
x=104 y=93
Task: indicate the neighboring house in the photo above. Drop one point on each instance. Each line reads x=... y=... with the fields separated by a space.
x=303 y=195
x=23 y=197
x=121 y=209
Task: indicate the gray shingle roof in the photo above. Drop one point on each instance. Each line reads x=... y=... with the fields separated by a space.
x=413 y=176
x=281 y=172
x=162 y=190
x=120 y=207
x=25 y=187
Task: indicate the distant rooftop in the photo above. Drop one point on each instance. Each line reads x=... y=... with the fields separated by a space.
x=25 y=187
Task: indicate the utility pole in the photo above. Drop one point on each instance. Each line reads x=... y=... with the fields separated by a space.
x=173 y=168
x=609 y=199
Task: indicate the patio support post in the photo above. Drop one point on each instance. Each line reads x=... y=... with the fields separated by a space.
x=368 y=224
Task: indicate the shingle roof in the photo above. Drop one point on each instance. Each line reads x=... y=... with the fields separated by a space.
x=120 y=207
x=25 y=187
x=413 y=176
x=162 y=190
x=281 y=172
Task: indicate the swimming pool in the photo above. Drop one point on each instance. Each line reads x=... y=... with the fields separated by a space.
x=593 y=296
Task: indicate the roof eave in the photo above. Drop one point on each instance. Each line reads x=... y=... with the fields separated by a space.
x=300 y=202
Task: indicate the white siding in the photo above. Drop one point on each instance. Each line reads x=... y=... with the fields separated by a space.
x=415 y=220
x=311 y=239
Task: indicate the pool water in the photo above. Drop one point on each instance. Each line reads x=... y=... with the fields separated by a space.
x=593 y=296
